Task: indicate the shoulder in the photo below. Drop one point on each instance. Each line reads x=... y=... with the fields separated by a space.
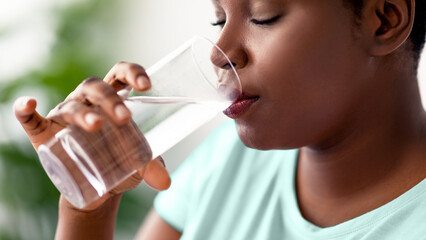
x=405 y=216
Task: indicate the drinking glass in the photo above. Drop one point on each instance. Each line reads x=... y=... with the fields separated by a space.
x=85 y=165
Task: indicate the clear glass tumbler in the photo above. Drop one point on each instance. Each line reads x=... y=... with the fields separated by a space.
x=84 y=166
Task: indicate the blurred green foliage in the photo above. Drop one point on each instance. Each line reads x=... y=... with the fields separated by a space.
x=28 y=200
x=71 y=58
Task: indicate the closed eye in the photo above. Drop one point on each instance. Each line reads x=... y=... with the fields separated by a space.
x=268 y=21
x=218 y=23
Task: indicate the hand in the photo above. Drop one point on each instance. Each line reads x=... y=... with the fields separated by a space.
x=78 y=109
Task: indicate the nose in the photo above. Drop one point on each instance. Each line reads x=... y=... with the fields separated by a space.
x=233 y=50
x=229 y=53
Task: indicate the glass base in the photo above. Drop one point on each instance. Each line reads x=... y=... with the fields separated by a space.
x=85 y=165
x=61 y=177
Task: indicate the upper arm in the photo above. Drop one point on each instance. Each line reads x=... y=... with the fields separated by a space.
x=154 y=227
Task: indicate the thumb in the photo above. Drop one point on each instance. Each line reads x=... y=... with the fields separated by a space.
x=156 y=175
x=32 y=122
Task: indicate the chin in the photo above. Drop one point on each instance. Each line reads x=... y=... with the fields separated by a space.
x=265 y=139
x=254 y=138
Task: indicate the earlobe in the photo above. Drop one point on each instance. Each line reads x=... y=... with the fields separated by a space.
x=395 y=20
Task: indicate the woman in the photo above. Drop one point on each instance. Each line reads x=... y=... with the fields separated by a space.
x=334 y=79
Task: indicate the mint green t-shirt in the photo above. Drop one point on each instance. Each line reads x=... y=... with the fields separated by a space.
x=225 y=190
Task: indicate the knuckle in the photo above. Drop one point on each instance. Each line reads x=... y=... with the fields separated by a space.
x=67 y=107
x=96 y=90
x=137 y=69
x=120 y=64
x=90 y=80
x=72 y=109
x=27 y=119
x=35 y=125
x=39 y=127
x=109 y=99
x=126 y=66
x=135 y=66
x=107 y=90
x=102 y=95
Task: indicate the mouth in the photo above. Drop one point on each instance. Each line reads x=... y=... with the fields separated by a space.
x=240 y=106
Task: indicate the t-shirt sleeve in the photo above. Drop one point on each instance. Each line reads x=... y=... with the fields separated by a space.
x=173 y=205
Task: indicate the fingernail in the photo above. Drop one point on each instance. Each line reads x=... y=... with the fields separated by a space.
x=91 y=118
x=122 y=112
x=143 y=82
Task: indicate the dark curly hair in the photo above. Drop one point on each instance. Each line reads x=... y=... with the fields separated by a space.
x=417 y=36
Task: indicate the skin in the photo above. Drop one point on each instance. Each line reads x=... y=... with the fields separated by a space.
x=338 y=92
x=96 y=221
x=346 y=95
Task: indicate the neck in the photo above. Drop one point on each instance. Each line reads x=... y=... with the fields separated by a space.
x=376 y=158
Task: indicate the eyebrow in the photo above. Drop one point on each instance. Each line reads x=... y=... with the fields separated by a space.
x=215 y=2
x=249 y=2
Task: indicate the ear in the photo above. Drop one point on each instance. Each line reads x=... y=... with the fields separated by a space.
x=391 y=24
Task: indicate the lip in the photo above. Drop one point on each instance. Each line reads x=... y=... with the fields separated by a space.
x=240 y=106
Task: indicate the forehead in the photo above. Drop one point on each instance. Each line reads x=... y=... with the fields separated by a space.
x=250 y=3
x=224 y=7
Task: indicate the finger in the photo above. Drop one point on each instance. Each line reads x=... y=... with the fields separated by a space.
x=131 y=182
x=100 y=93
x=156 y=175
x=77 y=113
x=125 y=74
x=25 y=111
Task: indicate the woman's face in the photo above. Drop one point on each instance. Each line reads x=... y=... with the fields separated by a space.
x=302 y=67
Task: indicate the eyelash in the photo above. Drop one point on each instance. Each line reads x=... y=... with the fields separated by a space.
x=269 y=21
x=218 y=23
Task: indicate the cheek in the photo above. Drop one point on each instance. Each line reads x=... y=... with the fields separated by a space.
x=305 y=85
x=311 y=44
x=302 y=61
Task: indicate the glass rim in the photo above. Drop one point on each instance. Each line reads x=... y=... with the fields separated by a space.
x=199 y=37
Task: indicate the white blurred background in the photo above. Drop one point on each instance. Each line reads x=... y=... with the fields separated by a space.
x=35 y=36
x=140 y=31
